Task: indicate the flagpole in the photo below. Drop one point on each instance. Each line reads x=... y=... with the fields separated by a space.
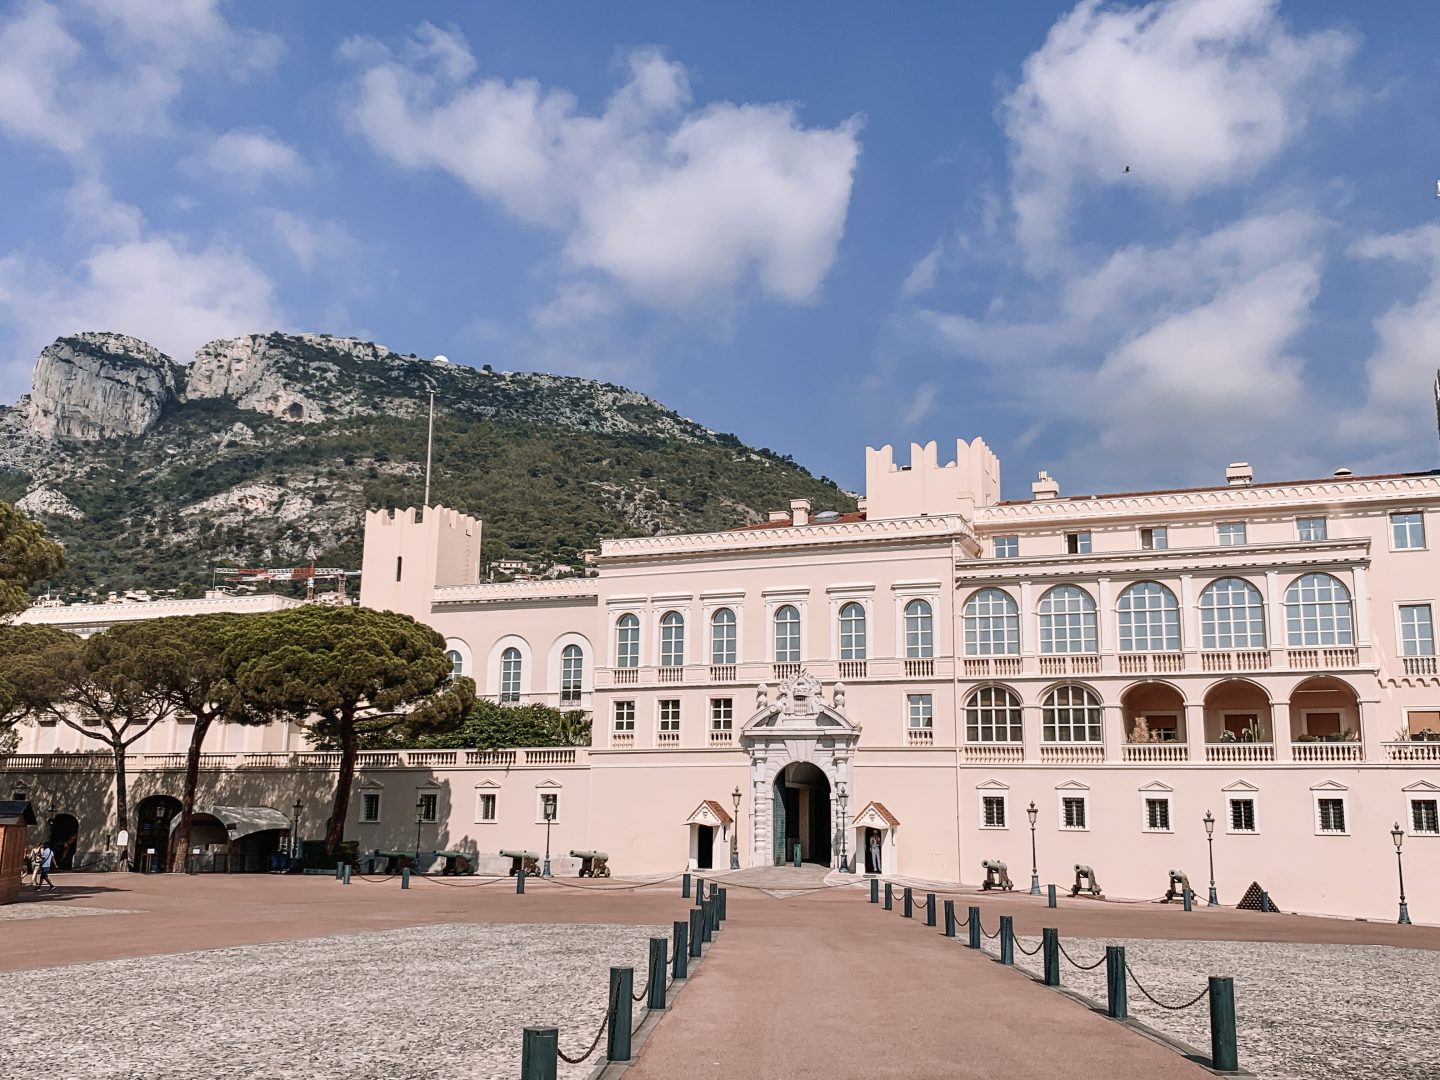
x=429 y=444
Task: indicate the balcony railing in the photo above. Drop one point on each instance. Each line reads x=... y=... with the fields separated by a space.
x=670 y=674
x=1240 y=753
x=920 y=736
x=1235 y=660
x=722 y=737
x=852 y=669
x=667 y=738
x=304 y=759
x=1083 y=664
x=430 y=759
x=1155 y=753
x=920 y=668
x=1144 y=663
x=722 y=672
x=625 y=676
x=1419 y=665
x=993 y=753
x=1072 y=753
x=622 y=738
x=490 y=757
x=1322 y=659
x=984 y=667
x=1424 y=752
x=564 y=755
x=787 y=670
x=1325 y=752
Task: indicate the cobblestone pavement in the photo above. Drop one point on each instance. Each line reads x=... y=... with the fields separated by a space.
x=446 y=1002
x=16 y=912
x=1303 y=1012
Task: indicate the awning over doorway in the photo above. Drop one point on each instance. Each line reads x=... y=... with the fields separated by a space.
x=709 y=813
x=875 y=816
x=239 y=820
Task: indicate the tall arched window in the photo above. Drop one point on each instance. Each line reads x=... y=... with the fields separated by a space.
x=992 y=624
x=852 y=632
x=787 y=635
x=722 y=636
x=1317 y=611
x=672 y=639
x=1149 y=618
x=572 y=674
x=510 y=675
x=992 y=714
x=1232 y=615
x=1067 y=621
x=627 y=641
x=1070 y=714
x=919 y=630
x=457 y=663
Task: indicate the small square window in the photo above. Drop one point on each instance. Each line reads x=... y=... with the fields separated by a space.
x=1157 y=815
x=1310 y=529
x=1072 y=812
x=1330 y=815
x=1425 y=816
x=1155 y=539
x=624 y=717
x=920 y=709
x=1242 y=815
x=486 y=810
x=1230 y=533
x=1007 y=547
x=428 y=807
x=1077 y=543
x=370 y=806
x=993 y=809
x=722 y=713
x=1407 y=531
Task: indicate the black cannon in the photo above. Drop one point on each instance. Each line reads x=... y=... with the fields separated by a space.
x=593 y=864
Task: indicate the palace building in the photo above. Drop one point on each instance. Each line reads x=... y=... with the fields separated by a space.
x=899 y=686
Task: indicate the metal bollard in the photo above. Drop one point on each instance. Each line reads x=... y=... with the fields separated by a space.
x=539 y=1053
x=622 y=1014
x=655 y=995
x=707 y=927
x=1050 y=942
x=949 y=918
x=874 y=890
x=720 y=903
x=974 y=924
x=1265 y=904
x=930 y=909
x=1223 y=1054
x=1007 y=939
x=889 y=896
x=338 y=867
x=1052 y=895
x=685 y=886
x=345 y=873
x=520 y=879
x=795 y=857
x=1188 y=905
x=909 y=904
x=695 y=941
x=405 y=877
x=699 y=890
x=680 y=967
x=1117 y=1005
x=714 y=911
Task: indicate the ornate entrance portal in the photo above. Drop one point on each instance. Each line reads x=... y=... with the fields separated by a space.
x=801 y=748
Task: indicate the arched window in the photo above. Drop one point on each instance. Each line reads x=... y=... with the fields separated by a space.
x=572 y=674
x=852 y=632
x=992 y=624
x=457 y=663
x=672 y=639
x=1317 y=611
x=1070 y=714
x=787 y=635
x=1067 y=621
x=1149 y=618
x=992 y=714
x=919 y=630
x=722 y=636
x=627 y=641
x=1232 y=615
x=510 y=675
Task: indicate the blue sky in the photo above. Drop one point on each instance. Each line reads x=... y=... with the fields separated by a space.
x=804 y=223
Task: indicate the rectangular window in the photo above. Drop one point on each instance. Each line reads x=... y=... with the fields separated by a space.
x=1157 y=815
x=549 y=806
x=670 y=714
x=722 y=713
x=1077 y=543
x=1417 y=634
x=370 y=806
x=624 y=717
x=921 y=710
x=993 y=807
x=487 y=806
x=1425 y=816
x=1330 y=815
x=428 y=807
x=1007 y=547
x=1242 y=815
x=1230 y=533
x=1422 y=720
x=1407 y=531
x=1155 y=539
x=1310 y=529
x=1072 y=812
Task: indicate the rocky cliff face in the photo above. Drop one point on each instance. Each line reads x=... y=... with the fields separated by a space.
x=97 y=386
x=289 y=377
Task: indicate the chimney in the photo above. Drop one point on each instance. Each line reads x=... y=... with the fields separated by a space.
x=779 y=515
x=1045 y=487
x=1239 y=473
x=799 y=511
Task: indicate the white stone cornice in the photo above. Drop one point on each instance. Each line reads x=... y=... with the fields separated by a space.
x=937 y=528
x=96 y=616
x=571 y=590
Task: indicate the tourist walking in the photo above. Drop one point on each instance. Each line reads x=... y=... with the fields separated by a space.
x=46 y=864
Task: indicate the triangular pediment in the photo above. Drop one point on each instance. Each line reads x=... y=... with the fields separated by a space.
x=1156 y=785
x=1421 y=785
x=876 y=816
x=548 y=784
x=1072 y=785
x=1240 y=785
x=992 y=785
x=1329 y=785
x=709 y=813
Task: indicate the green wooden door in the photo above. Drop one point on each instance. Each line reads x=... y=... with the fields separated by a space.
x=778 y=820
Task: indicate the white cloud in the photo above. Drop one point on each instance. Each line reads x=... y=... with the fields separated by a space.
x=311 y=242
x=921 y=403
x=678 y=205
x=247 y=159
x=1191 y=94
x=923 y=274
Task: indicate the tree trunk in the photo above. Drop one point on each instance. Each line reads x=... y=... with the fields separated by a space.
x=349 y=745
x=187 y=799
x=122 y=806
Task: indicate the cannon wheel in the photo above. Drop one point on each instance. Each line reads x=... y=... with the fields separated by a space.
x=603 y=871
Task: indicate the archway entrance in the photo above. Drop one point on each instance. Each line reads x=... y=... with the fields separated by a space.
x=152 y=832
x=64 y=829
x=802 y=814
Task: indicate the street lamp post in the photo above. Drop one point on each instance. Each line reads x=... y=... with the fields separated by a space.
x=735 y=831
x=1033 y=812
x=547 y=806
x=1398 y=835
x=295 y=831
x=419 y=818
x=842 y=797
x=1213 y=901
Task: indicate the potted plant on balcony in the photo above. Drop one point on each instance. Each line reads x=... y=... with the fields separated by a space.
x=1140 y=731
